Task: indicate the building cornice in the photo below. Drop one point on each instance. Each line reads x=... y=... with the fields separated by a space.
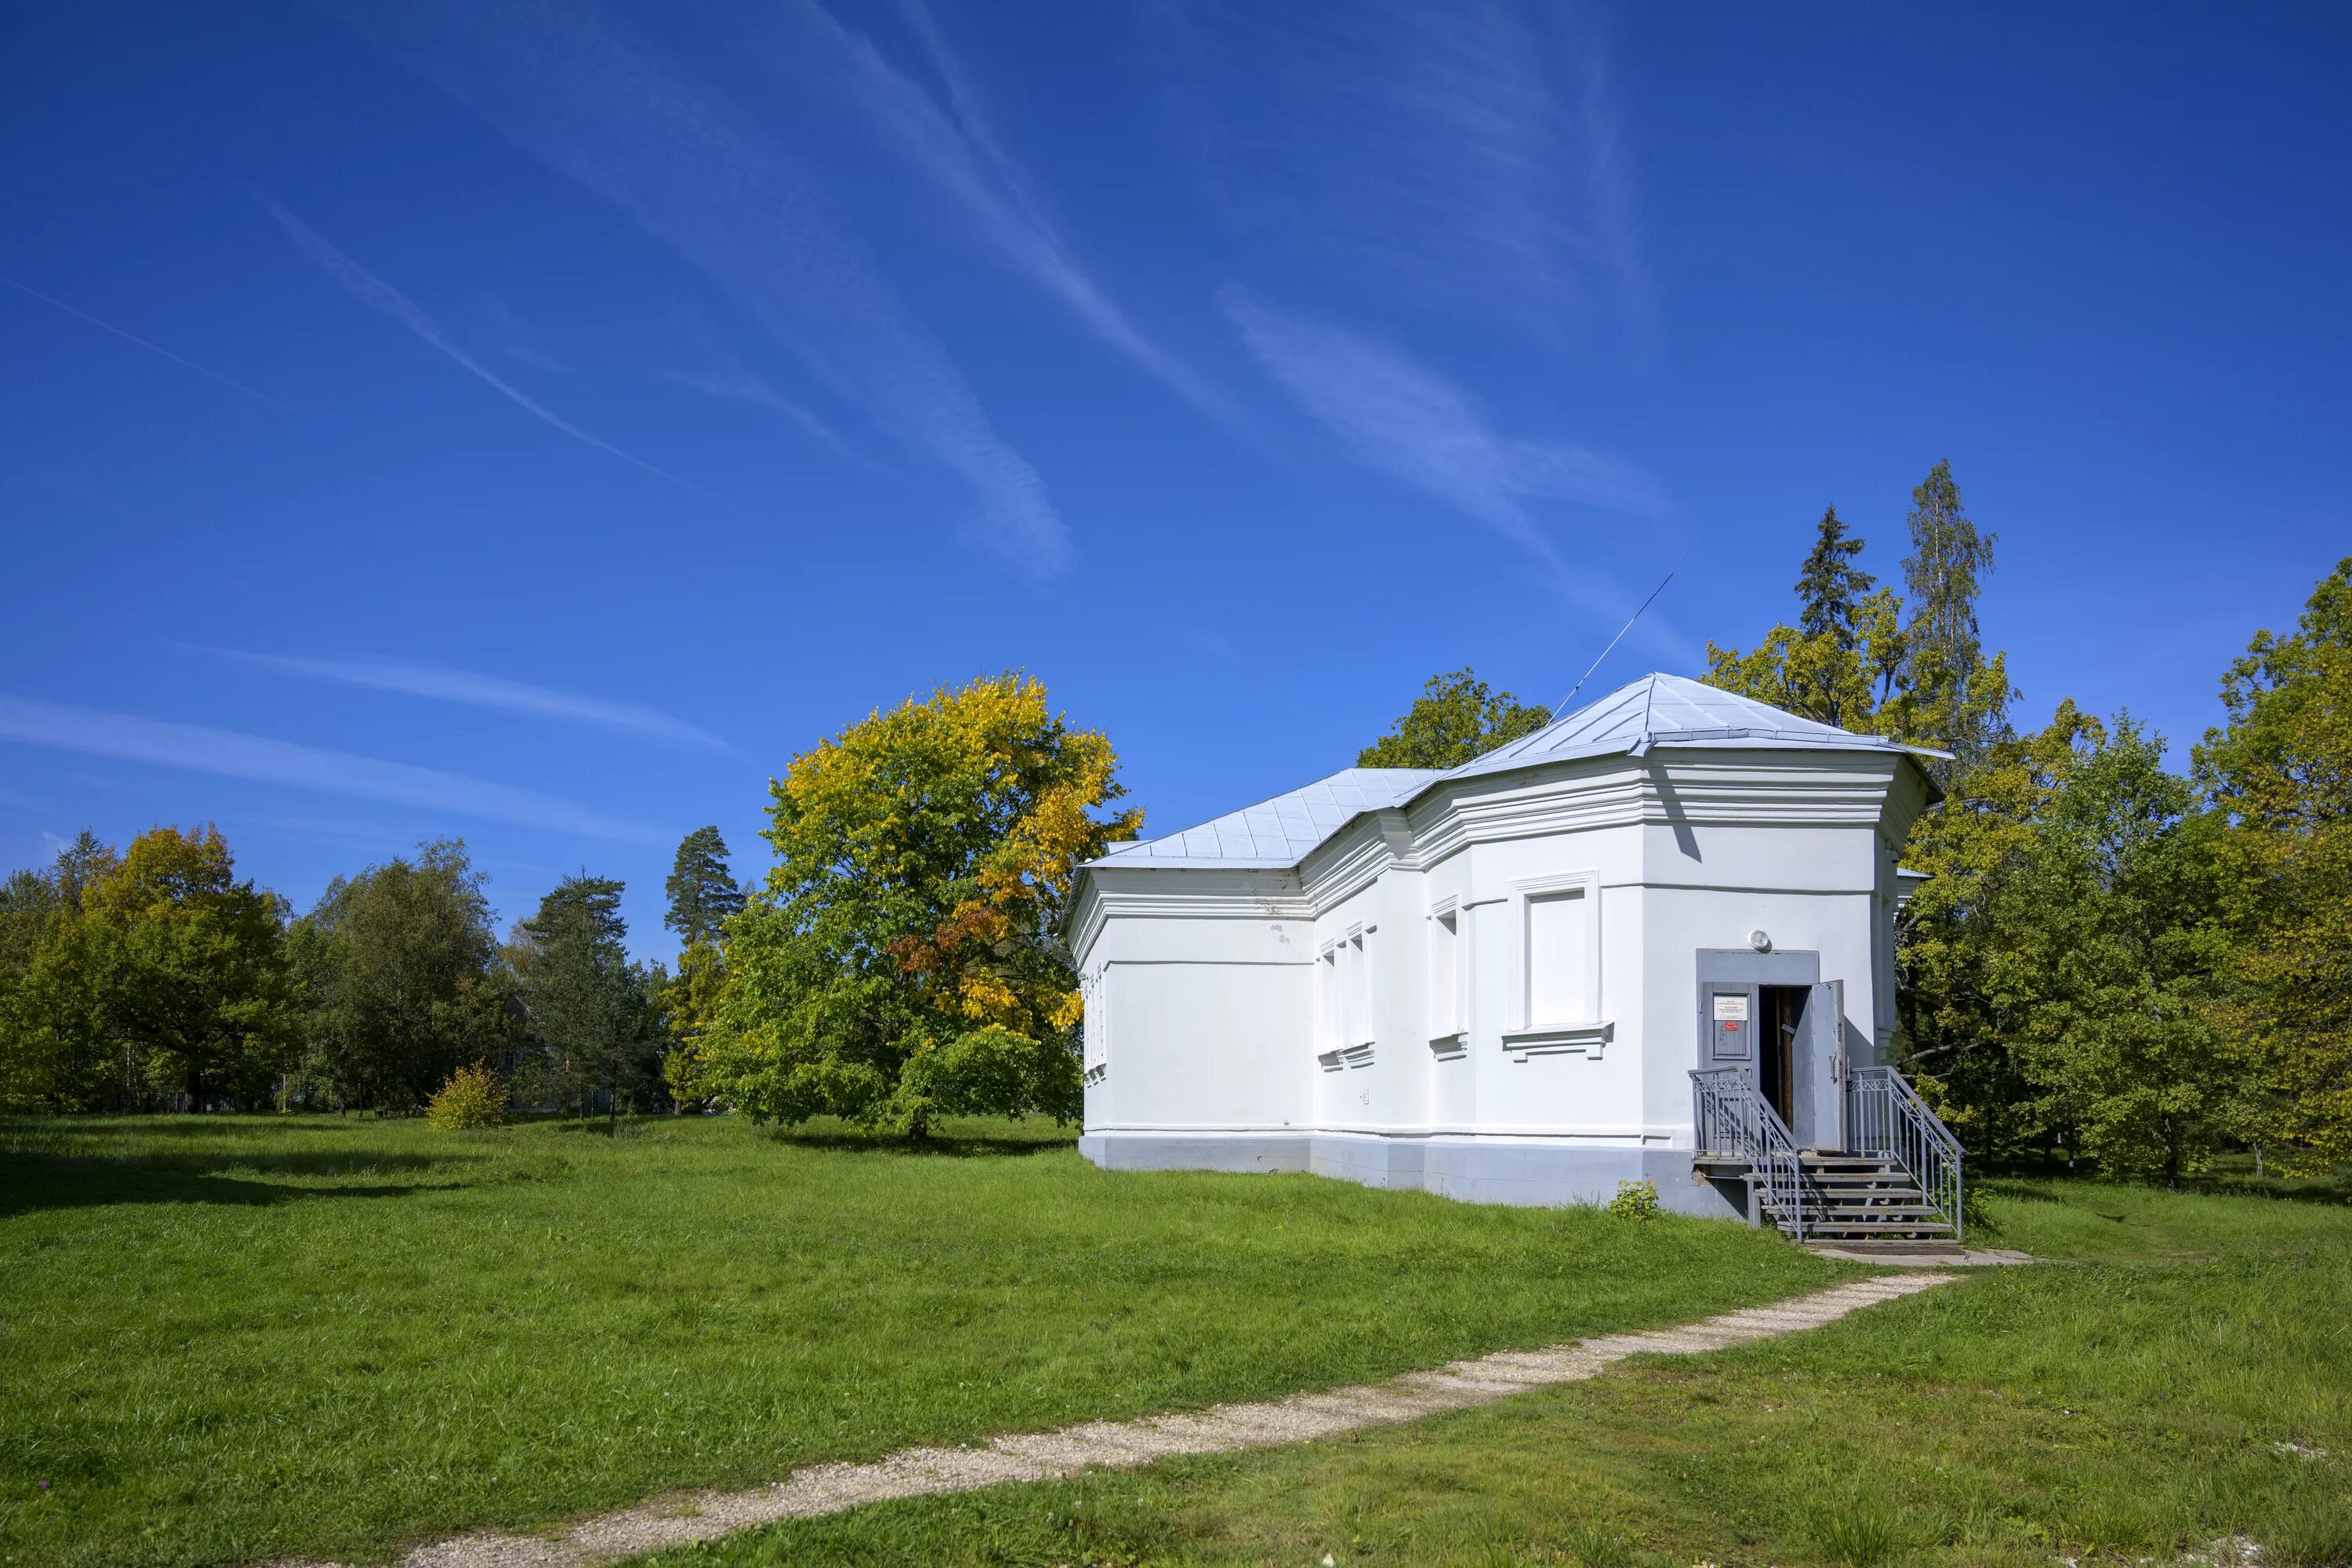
x=1677 y=787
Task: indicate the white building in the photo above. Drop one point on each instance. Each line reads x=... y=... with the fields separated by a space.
x=1497 y=981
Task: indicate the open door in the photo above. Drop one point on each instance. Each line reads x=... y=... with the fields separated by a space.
x=1819 y=1070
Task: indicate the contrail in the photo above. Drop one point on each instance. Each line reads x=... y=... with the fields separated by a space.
x=151 y=348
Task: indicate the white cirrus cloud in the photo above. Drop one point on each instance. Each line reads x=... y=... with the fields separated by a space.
x=230 y=754
x=578 y=87
x=947 y=138
x=1469 y=155
x=477 y=690
x=1403 y=419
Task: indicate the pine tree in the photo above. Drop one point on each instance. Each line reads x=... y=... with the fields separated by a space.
x=593 y=1010
x=702 y=890
x=1830 y=587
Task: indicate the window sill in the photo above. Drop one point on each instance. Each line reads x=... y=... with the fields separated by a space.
x=1559 y=1039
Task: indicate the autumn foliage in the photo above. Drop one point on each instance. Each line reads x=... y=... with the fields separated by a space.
x=474 y=1097
x=904 y=959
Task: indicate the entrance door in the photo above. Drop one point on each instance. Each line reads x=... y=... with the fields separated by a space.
x=1777 y=1047
x=1819 y=1068
x=1730 y=1020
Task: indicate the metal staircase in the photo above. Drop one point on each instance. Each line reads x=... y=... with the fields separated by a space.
x=1899 y=1186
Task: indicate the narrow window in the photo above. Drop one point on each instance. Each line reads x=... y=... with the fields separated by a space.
x=1558 y=941
x=1445 y=975
x=1327 y=977
x=1360 y=994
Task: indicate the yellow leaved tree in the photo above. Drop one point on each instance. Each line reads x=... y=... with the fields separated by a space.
x=904 y=959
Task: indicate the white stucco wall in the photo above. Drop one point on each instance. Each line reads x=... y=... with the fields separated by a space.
x=1211 y=1010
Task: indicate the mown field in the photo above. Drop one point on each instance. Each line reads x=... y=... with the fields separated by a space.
x=2177 y=1388
x=231 y=1340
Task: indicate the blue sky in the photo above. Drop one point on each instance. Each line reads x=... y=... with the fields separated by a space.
x=536 y=422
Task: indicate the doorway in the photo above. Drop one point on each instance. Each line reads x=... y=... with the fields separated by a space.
x=1783 y=1009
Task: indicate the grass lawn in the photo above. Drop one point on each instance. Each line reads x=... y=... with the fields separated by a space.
x=2184 y=1377
x=227 y=1340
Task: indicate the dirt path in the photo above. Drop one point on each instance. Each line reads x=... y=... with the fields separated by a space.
x=1048 y=1456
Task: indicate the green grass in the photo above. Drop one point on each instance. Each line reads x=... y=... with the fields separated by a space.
x=2171 y=1382
x=232 y=1339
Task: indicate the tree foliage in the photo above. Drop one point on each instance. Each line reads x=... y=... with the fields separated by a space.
x=594 y=1016
x=904 y=958
x=402 y=974
x=2281 y=769
x=58 y=1049
x=703 y=896
x=2110 y=946
x=191 y=969
x=1455 y=718
x=1830 y=585
x=701 y=888
x=1962 y=697
x=475 y=1097
x=2063 y=964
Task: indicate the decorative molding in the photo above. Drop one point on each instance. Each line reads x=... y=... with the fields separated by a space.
x=1346 y=1056
x=1173 y=892
x=1450 y=1047
x=1668 y=1135
x=1724 y=786
x=1587 y=885
x=1565 y=1039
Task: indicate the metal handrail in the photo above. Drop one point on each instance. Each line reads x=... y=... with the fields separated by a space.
x=1886 y=1118
x=1729 y=1118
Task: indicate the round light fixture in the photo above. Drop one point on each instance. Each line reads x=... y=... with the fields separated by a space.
x=1760 y=940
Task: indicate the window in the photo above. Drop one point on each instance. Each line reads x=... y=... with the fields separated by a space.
x=1558 y=939
x=1445 y=975
x=1326 y=984
x=1359 y=978
x=1095 y=989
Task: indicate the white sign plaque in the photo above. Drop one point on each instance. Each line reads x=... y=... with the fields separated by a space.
x=1730 y=1007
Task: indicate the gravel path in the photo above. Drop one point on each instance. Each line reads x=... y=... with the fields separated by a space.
x=1047 y=1455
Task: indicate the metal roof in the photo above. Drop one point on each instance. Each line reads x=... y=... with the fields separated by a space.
x=1278 y=832
x=1655 y=710
x=1669 y=710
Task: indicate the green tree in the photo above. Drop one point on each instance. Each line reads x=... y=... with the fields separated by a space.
x=400 y=970
x=691 y=1000
x=1830 y=587
x=1845 y=661
x=1455 y=718
x=2112 y=944
x=58 y=1050
x=593 y=1014
x=2280 y=769
x=192 y=968
x=904 y=958
x=702 y=890
x=1962 y=1003
x=703 y=896
x=1962 y=697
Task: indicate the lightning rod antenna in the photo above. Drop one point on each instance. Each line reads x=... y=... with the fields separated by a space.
x=1621 y=633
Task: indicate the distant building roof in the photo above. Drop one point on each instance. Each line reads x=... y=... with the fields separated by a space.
x=1655 y=710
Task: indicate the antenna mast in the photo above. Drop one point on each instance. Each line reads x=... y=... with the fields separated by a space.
x=1621 y=633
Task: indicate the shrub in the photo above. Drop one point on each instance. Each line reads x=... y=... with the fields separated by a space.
x=474 y=1097
x=1634 y=1200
